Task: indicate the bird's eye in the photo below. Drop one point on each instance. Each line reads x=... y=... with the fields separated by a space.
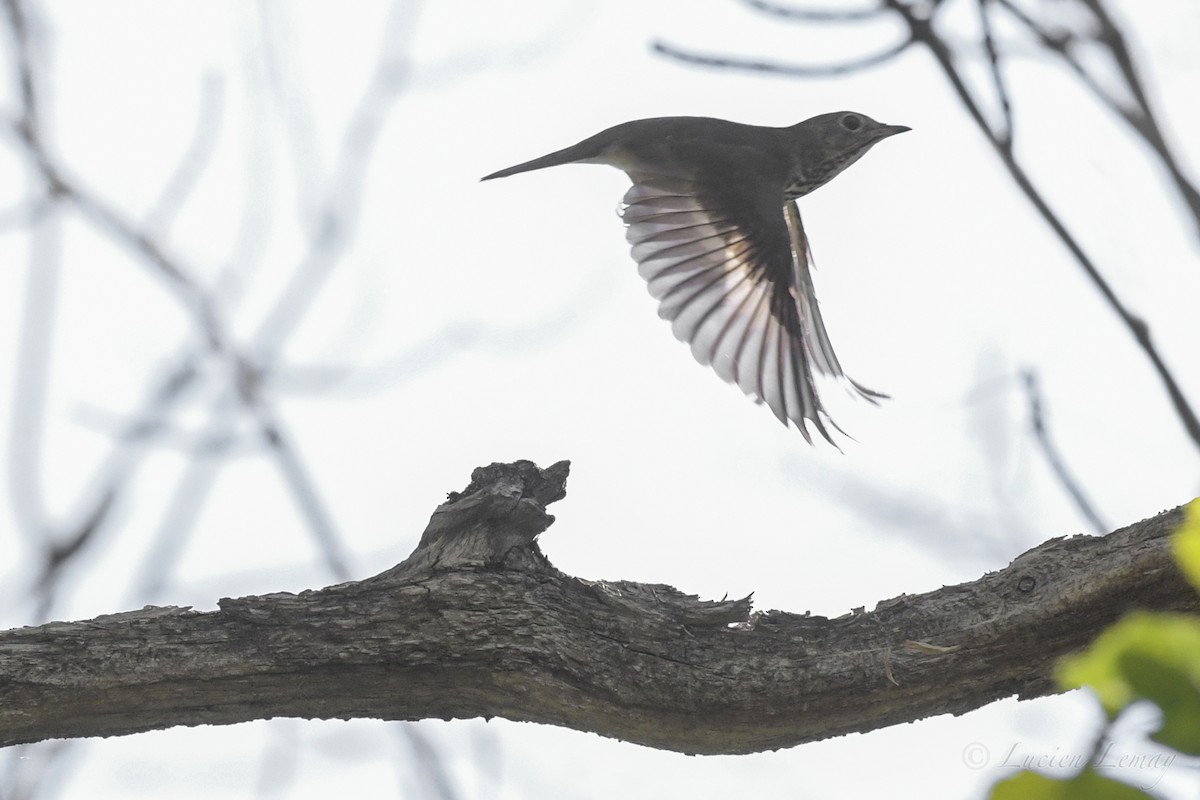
x=851 y=122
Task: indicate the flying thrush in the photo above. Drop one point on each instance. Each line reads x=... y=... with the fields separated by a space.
x=715 y=230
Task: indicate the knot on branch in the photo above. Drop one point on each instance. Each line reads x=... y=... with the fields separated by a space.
x=543 y=486
x=494 y=520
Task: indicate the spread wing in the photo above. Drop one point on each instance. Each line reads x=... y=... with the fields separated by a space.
x=811 y=324
x=732 y=276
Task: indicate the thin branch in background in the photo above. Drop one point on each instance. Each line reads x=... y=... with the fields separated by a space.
x=29 y=123
x=148 y=426
x=206 y=456
x=34 y=769
x=825 y=14
x=247 y=250
x=23 y=215
x=1139 y=115
x=171 y=387
x=922 y=31
x=152 y=421
x=191 y=491
x=34 y=343
x=1006 y=133
x=435 y=780
x=111 y=480
x=339 y=213
x=57 y=543
x=1037 y=421
x=290 y=100
x=177 y=524
x=1144 y=121
x=279 y=766
x=304 y=491
x=61 y=543
x=452 y=340
x=60 y=551
x=777 y=68
x=34 y=355
x=214 y=362
x=195 y=159
x=105 y=217
x=919 y=18
x=59 y=185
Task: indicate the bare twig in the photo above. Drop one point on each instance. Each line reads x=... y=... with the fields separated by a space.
x=178 y=521
x=29 y=123
x=1005 y=133
x=1139 y=114
x=435 y=779
x=776 y=68
x=339 y=213
x=816 y=14
x=243 y=386
x=923 y=32
x=303 y=488
x=192 y=163
x=1041 y=434
x=1145 y=122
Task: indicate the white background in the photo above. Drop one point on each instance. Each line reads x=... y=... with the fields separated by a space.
x=468 y=323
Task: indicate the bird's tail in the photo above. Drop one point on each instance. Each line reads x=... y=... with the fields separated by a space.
x=586 y=150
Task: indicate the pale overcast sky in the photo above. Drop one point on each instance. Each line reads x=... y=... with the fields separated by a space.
x=466 y=323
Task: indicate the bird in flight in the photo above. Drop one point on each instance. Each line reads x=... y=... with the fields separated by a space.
x=715 y=230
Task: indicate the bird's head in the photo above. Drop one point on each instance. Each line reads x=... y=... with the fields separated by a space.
x=828 y=143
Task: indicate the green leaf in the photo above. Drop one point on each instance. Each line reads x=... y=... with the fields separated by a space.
x=1146 y=656
x=1185 y=543
x=1175 y=692
x=1087 y=785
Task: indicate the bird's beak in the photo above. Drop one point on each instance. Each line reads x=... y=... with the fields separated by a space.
x=892 y=130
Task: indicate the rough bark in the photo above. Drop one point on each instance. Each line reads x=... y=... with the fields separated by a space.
x=477 y=623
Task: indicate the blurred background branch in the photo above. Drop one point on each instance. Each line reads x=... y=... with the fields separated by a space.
x=238 y=385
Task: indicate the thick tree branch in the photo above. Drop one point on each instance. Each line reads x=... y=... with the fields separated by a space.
x=477 y=623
